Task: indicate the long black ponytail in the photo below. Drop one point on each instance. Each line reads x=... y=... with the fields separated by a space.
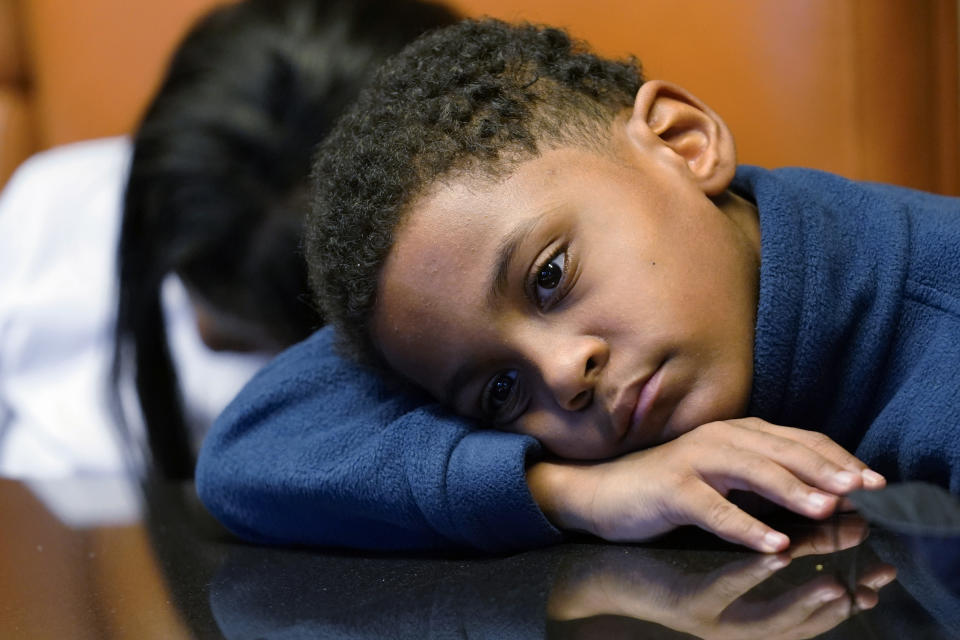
x=216 y=192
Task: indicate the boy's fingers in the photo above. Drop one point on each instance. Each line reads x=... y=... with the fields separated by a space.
x=806 y=462
x=825 y=447
x=769 y=479
x=845 y=505
x=843 y=533
x=701 y=505
x=878 y=576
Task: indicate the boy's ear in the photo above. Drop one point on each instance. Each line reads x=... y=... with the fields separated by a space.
x=668 y=118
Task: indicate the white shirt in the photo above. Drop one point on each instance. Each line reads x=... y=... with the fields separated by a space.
x=59 y=224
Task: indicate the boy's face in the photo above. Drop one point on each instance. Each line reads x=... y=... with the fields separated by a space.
x=600 y=303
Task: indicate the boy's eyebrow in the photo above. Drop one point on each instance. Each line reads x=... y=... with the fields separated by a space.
x=504 y=257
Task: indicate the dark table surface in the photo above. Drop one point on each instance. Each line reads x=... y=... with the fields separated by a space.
x=159 y=567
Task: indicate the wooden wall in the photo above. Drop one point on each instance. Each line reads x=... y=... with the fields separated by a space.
x=863 y=88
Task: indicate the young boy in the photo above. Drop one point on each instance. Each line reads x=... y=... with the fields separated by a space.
x=550 y=246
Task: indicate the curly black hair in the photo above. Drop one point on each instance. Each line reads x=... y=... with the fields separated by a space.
x=475 y=98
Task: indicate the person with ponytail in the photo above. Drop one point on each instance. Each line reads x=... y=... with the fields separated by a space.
x=205 y=209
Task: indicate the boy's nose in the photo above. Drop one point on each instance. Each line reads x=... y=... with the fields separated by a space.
x=571 y=367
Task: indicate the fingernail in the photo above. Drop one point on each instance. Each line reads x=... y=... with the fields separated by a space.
x=817 y=500
x=774 y=563
x=872 y=478
x=881 y=581
x=826 y=595
x=774 y=541
x=844 y=478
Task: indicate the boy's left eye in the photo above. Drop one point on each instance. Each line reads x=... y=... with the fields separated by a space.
x=500 y=397
x=548 y=277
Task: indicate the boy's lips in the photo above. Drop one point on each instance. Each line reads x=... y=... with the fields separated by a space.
x=634 y=406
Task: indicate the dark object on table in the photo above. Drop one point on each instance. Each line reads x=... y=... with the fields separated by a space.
x=912 y=508
x=926 y=521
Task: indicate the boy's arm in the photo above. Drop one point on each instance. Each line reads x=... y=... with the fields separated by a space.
x=318 y=451
x=685 y=481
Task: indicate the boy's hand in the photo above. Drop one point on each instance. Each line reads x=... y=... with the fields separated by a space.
x=685 y=481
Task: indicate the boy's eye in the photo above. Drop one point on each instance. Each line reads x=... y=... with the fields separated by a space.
x=548 y=277
x=500 y=395
x=550 y=273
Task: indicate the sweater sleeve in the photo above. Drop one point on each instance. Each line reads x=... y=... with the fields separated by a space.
x=318 y=451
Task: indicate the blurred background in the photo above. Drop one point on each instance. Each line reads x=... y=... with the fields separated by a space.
x=864 y=88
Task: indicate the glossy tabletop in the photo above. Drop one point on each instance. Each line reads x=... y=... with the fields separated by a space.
x=110 y=559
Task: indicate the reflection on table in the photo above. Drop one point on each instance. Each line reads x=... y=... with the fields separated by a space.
x=174 y=573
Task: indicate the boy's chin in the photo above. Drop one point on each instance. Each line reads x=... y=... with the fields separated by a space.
x=697 y=409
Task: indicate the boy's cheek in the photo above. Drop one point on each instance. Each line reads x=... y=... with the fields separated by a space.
x=573 y=436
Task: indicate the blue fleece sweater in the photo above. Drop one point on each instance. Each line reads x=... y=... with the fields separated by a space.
x=858 y=323
x=858 y=335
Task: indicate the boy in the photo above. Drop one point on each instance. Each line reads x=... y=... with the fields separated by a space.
x=548 y=245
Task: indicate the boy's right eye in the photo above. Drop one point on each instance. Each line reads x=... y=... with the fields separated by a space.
x=548 y=281
x=500 y=396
